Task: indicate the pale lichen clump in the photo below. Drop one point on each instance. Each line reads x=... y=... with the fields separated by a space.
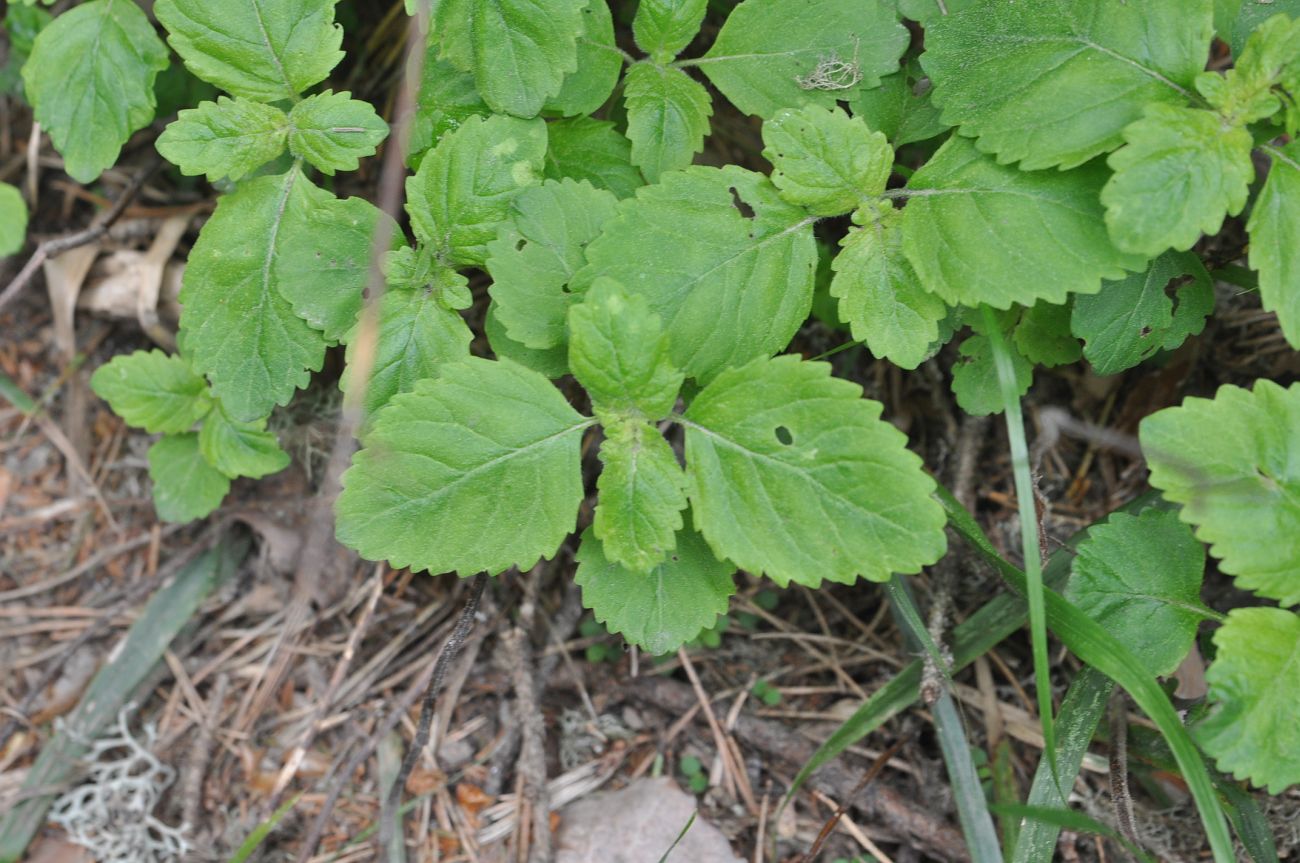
x=111 y=814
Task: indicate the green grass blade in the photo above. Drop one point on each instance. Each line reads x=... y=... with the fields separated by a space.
x=1073 y=820
x=972 y=807
x=261 y=831
x=1252 y=828
x=680 y=836
x=1029 y=543
x=167 y=611
x=1092 y=644
x=993 y=622
x=1083 y=708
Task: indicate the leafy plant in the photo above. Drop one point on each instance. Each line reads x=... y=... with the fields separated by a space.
x=1033 y=185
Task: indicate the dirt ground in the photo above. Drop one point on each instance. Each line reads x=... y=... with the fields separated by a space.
x=298 y=679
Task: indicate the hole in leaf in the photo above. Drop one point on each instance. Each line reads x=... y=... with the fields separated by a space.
x=520 y=243
x=783 y=435
x=1146 y=331
x=741 y=207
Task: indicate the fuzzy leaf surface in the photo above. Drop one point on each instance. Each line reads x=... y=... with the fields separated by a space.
x=600 y=61
x=185 y=486
x=418 y=337
x=1054 y=82
x=229 y=138
x=447 y=97
x=979 y=232
x=463 y=189
x=1043 y=335
x=900 y=107
x=769 y=53
x=519 y=50
x=153 y=391
x=661 y=610
x=251 y=48
x=667 y=117
x=662 y=28
x=237 y=326
x=975 y=376
x=240 y=449
x=826 y=161
x=1179 y=174
x=642 y=494
x=536 y=253
x=425 y=494
x=1255 y=693
x=333 y=131
x=1133 y=318
x=1139 y=576
x=754 y=273
x=591 y=150
x=90 y=81
x=324 y=260
x=1233 y=462
x=793 y=474
x=551 y=362
x=620 y=354
x=879 y=294
x=13 y=220
x=1274 y=229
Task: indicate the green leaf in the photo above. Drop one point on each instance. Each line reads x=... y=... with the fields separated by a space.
x=600 y=61
x=1274 y=229
x=900 y=107
x=591 y=150
x=739 y=254
x=1180 y=172
x=979 y=232
x=229 y=138
x=826 y=161
x=552 y=362
x=1243 y=94
x=22 y=24
x=1139 y=576
x=447 y=98
x=536 y=254
x=322 y=265
x=792 y=474
x=879 y=294
x=1251 y=730
x=185 y=486
x=518 y=51
x=422 y=493
x=661 y=610
x=464 y=187
x=90 y=81
x=153 y=391
x=1053 y=83
x=926 y=11
x=1133 y=318
x=620 y=355
x=240 y=449
x=642 y=494
x=774 y=54
x=333 y=131
x=1231 y=462
x=418 y=336
x=237 y=327
x=667 y=117
x=251 y=49
x=1043 y=335
x=975 y=377
x=1248 y=15
x=13 y=220
x=662 y=28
